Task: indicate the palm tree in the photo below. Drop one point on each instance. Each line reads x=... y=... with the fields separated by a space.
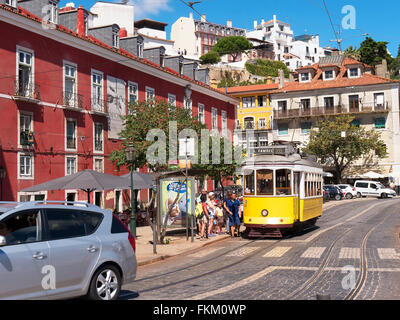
x=352 y=52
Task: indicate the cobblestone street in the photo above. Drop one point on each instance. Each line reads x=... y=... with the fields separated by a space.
x=352 y=253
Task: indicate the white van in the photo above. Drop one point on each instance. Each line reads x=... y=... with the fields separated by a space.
x=372 y=189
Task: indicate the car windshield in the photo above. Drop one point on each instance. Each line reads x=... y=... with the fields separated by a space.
x=342 y=187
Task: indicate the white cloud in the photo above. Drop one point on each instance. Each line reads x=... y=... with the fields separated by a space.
x=144 y=8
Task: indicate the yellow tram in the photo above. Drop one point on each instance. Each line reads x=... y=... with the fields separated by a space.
x=282 y=191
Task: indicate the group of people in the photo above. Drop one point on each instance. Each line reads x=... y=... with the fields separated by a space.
x=211 y=215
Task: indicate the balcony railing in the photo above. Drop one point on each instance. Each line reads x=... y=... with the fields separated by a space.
x=251 y=126
x=26 y=90
x=72 y=100
x=26 y=138
x=98 y=105
x=338 y=109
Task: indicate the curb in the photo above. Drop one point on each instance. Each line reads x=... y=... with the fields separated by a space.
x=164 y=257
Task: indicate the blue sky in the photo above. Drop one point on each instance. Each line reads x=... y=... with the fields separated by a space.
x=378 y=18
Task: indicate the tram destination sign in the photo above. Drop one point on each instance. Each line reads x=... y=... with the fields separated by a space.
x=275 y=150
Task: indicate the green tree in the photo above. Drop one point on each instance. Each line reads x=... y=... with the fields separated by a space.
x=352 y=52
x=331 y=148
x=265 y=68
x=211 y=57
x=373 y=52
x=233 y=45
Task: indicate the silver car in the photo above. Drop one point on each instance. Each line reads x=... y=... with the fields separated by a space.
x=54 y=250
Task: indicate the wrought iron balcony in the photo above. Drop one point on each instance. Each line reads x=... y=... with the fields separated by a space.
x=98 y=105
x=332 y=110
x=72 y=100
x=25 y=90
x=251 y=126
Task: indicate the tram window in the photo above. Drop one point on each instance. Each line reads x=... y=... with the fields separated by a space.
x=283 y=182
x=265 y=182
x=249 y=184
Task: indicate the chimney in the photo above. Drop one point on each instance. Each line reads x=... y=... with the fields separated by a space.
x=269 y=80
x=274 y=18
x=229 y=23
x=262 y=22
x=191 y=15
x=281 y=78
x=203 y=18
x=80 y=27
x=255 y=24
x=123 y=33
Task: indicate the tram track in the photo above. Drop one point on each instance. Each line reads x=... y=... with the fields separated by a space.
x=363 y=268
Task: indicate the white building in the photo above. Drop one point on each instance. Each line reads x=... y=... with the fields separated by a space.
x=197 y=37
x=295 y=52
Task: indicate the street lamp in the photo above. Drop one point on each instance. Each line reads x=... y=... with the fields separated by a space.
x=130 y=153
x=3 y=174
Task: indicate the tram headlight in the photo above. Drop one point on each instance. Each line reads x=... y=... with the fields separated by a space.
x=264 y=213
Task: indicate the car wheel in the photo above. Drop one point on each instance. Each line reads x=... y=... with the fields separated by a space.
x=358 y=194
x=338 y=197
x=105 y=284
x=384 y=196
x=349 y=196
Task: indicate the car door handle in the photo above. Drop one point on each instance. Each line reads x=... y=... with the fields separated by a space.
x=92 y=249
x=39 y=256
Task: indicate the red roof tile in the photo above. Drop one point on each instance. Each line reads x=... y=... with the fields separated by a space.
x=250 y=88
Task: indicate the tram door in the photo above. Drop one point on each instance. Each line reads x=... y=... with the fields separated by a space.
x=296 y=191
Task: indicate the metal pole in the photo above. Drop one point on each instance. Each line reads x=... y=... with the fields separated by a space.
x=154 y=233
x=133 y=216
x=187 y=206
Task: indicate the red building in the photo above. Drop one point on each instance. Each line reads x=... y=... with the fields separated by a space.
x=61 y=94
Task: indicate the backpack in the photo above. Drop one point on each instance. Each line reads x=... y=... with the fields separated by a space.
x=198 y=211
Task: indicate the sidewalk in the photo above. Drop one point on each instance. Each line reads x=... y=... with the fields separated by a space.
x=176 y=246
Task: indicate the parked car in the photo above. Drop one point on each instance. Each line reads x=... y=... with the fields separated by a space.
x=366 y=188
x=52 y=250
x=334 y=192
x=348 y=191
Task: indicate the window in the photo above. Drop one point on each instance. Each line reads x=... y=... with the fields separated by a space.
x=98 y=137
x=172 y=99
x=25 y=74
x=305 y=127
x=22 y=228
x=283 y=129
x=282 y=182
x=62 y=223
x=115 y=38
x=353 y=72
x=354 y=102
x=380 y=123
x=224 y=123
x=52 y=11
x=12 y=3
x=97 y=91
x=71 y=134
x=262 y=101
x=25 y=165
x=25 y=129
x=98 y=164
x=329 y=74
x=249 y=184
x=70 y=165
x=305 y=104
x=214 y=119
x=70 y=98
x=201 y=113
x=150 y=93
x=305 y=76
x=379 y=100
x=329 y=102
x=248 y=102
x=187 y=103
x=262 y=123
x=282 y=105
x=265 y=183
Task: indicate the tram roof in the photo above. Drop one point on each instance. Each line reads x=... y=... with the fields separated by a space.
x=276 y=160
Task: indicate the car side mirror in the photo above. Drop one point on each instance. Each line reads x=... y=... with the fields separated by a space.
x=3 y=241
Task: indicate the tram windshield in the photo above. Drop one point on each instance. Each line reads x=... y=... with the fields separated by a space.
x=265 y=182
